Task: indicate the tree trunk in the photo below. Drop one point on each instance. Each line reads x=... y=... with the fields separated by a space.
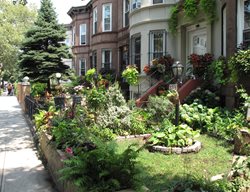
x=48 y=86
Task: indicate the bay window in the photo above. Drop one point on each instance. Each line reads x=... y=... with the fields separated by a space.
x=94 y=20
x=106 y=59
x=157 y=44
x=107 y=17
x=125 y=13
x=136 y=51
x=82 y=67
x=83 y=34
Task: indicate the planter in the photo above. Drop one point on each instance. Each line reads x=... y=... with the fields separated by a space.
x=77 y=100
x=178 y=150
x=59 y=102
x=54 y=159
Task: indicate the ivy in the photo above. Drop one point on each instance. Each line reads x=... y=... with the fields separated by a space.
x=208 y=7
x=173 y=21
x=190 y=8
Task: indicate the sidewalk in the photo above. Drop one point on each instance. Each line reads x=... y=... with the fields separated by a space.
x=20 y=168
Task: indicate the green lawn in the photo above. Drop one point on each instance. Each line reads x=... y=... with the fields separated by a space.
x=158 y=170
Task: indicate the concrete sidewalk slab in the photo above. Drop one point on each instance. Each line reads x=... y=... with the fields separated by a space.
x=20 y=168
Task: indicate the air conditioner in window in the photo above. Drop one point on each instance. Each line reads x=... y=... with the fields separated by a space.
x=136 y=5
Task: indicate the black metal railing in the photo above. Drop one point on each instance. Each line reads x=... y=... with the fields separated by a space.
x=31 y=106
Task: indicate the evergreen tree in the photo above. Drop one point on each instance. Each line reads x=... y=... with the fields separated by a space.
x=43 y=50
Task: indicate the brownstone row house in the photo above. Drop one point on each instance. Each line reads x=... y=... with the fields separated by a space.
x=110 y=34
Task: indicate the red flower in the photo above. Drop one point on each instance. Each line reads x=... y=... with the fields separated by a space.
x=146 y=69
x=69 y=150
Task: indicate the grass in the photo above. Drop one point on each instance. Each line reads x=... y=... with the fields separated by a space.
x=158 y=171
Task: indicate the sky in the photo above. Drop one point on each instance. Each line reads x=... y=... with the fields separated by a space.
x=62 y=7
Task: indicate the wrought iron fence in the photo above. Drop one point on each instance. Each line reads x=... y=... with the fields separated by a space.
x=31 y=106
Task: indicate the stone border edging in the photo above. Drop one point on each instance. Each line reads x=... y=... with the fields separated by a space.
x=178 y=150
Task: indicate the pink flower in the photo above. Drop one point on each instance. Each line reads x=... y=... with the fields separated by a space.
x=69 y=150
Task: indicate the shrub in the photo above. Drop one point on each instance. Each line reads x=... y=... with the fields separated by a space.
x=102 y=169
x=173 y=136
x=38 y=89
x=131 y=75
x=160 y=107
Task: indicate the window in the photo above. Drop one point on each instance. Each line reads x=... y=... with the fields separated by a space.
x=157 y=1
x=83 y=34
x=136 y=4
x=243 y=19
x=136 y=51
x=106 y=59
x=94 y=21
x=107 y=17
x=82 y=67
x=125 y=13
x=157 y=44
x=73 y=35
x=94 y=60
x=247 y=14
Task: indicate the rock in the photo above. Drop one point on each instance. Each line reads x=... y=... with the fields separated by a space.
x=217 y=177
x=242 y=142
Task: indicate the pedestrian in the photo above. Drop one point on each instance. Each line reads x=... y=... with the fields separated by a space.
x=9 y=87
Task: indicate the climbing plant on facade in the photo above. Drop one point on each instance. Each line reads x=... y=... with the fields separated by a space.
x=191 y=8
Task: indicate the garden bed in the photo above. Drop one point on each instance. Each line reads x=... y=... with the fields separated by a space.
x=178 y=150
x=54 y=161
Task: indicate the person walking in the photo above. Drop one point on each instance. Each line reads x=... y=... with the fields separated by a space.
x=9 y=87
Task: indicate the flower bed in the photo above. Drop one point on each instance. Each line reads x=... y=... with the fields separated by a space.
x=54 y=159
x=178 y=150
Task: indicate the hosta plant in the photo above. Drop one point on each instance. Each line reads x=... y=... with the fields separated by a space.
x=173 y=136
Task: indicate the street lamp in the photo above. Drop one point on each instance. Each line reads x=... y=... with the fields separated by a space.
x=177 y=69
x=26 y=79
x=58 y=76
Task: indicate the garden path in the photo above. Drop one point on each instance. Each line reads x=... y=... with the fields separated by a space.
x=20 y=168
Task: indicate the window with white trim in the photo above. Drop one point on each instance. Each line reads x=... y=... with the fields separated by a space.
x=82 y=67
x=136 y=50
x=107 y=17
x=157 y=1
x=95 y=20
x=243 y=19
x=83 y=28
x=125 y=13
x=94 y=60
x=157 y=43
x=106 y=59
x=136 y=4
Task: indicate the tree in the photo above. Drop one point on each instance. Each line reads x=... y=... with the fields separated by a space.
x=14 y=21
x=43 y=50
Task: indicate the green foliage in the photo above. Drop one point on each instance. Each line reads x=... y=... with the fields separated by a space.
x=96 y=98
x=102 y=169
x=43 y=119
x=204 y=96
x=215 y=121
x=241 y=62
x=131 y=75
x=173 y=21
x=160 y=107
x=209 y=8
x=173 y=136
x=14 y=22
x=190 y=8
x=90 y=74
x=38 y=89
x=42 y=50
x=218 y=69
x=241 y=173
x=244 y=97
x=192 y=183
